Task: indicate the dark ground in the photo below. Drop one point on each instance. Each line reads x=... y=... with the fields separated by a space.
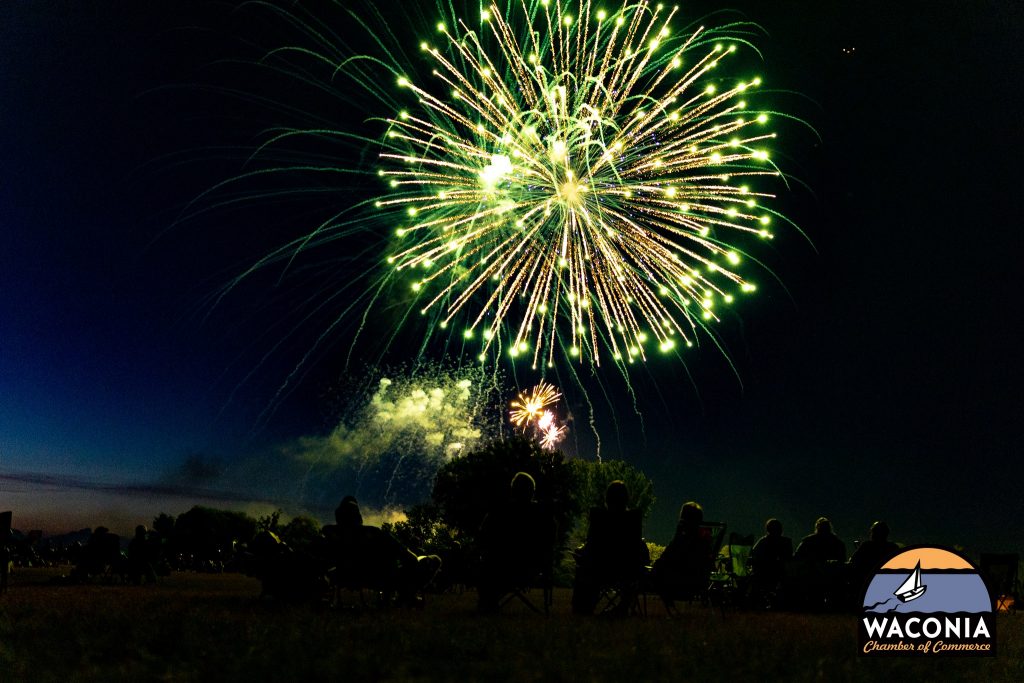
x=213 y=627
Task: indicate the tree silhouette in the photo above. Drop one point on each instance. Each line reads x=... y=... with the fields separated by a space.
x=208 y=533
x=590 y=479
x=300 y=532
x=163 y=525
x=422 y=530
x=467 y=488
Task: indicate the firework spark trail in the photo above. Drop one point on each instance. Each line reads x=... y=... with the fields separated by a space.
x=575 y=181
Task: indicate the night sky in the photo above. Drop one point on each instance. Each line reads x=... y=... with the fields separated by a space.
x=883 y=380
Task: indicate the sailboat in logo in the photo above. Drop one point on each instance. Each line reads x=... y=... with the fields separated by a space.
x=912 y=588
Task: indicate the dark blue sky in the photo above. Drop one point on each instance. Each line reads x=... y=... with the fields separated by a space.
x=885 y=383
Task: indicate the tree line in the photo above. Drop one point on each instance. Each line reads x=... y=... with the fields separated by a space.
x=464 y=491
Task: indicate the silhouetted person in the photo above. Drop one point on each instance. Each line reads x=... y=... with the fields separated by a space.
x=683 y=570
x=5 y=562
x=822 y=546
x=141 y=557
x=614 y=555
x=368 y=557
x=821 y=556
x=5 y=549
x=102 y=551
x=871 y=554
x=516 y=544
x=768 y=560
x=283 y=572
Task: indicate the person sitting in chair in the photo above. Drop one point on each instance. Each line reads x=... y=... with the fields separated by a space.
x=141 y=557
x=369 y=557
x=516 y=544
x=102 y=552
x=871 y=554
x=683 y=570
x=284 y=573
x=820 y=557
x=768 y=560
x=614 y=555
x=822 y=546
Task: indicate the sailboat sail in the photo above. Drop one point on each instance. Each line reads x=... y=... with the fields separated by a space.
x=911 y=589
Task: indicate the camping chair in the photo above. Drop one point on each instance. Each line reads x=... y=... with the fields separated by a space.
x=611 y=596
x=347 y=578
x=731 y=573
x=380 y=579
x=370 y=577
x=1002 y=572
x=708 y=588
x=719 y=579
x=525 y=560
x=612 y=587
x=541 y=580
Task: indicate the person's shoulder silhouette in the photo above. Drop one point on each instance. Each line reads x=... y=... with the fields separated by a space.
x=822 y=546
x=875 y=551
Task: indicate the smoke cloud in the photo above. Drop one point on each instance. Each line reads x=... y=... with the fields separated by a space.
x=393 y=441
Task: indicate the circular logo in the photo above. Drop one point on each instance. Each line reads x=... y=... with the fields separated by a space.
x=927 y=600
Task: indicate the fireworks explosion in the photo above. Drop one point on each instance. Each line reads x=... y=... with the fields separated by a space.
x=566 y=182
x=530 y=406
x=574 y=178
x=530 y=411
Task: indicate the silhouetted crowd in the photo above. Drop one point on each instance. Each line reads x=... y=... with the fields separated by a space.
x=99 y=555
x=516 y=551
x=347 y=555
x=614 y=568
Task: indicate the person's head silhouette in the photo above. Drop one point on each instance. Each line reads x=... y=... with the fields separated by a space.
x=347 y=514
x=616 y=496
x=823 y=526
x=522 y=488
x=691 y=514
x=880 y=532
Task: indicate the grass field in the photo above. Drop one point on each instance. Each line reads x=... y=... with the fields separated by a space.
x=214 y=627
